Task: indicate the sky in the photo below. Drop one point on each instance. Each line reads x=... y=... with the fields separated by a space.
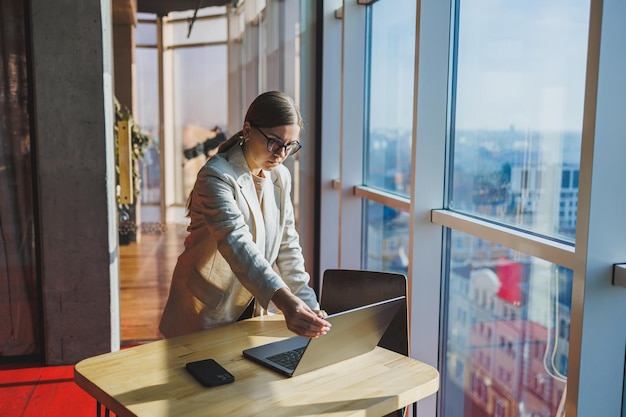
x=522 y=64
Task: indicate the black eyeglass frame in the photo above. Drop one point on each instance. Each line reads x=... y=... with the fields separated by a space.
x=274 y=145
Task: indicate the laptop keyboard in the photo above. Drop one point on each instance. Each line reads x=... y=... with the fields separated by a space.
x=288 y=359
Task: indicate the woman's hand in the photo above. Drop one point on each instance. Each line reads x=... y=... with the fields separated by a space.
x=321 y=314
x=300 y=318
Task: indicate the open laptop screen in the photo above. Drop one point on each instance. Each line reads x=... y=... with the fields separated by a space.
x=353 y=333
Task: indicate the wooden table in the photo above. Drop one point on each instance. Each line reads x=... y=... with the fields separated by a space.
x=151 y=380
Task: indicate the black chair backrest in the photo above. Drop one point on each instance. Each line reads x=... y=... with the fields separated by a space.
x=344 y=289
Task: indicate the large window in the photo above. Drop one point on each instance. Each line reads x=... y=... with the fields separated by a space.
x=469 y=168
x=498 y=198
x=516 y=127
x=390 y=99
x=518 y=112
x=507 y=330
x=389 y=133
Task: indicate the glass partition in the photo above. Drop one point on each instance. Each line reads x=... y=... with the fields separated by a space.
x=147 y=117
x=200 y=110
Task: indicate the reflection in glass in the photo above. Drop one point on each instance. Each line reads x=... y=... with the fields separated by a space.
x=387 y=242
x=390 y=112
x=518 y=112
x=507 y=332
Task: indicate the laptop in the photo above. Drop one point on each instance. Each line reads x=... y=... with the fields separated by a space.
x=353 y=333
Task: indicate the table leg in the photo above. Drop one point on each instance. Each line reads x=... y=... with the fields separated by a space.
x=107 y=412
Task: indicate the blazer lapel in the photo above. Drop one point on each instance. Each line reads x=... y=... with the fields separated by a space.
x=246 y=184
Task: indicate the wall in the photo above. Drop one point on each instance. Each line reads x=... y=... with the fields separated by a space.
x=74 y=146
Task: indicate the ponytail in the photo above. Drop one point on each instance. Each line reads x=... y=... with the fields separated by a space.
x=230 y=142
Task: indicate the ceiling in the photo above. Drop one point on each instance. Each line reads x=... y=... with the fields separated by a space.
x=125 y=11
x=163 y=7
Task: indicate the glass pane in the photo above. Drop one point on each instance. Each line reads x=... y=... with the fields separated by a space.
x=387 y=242
x=200 y=110
x=202 y=31
x=147 y=117
x=146 y=34
x=507 y=332
x=146 y=16
x=390 y=112
x=518 y=112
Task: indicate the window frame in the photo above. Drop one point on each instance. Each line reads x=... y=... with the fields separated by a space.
x=352 y=133
x=594 y=300
x=595 y=379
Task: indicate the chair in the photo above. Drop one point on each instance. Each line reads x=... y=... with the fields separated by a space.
x=344 y=289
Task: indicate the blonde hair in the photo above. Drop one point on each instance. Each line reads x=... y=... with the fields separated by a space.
x=270 y=109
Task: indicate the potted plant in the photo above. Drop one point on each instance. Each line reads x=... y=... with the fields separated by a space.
x=138 y=143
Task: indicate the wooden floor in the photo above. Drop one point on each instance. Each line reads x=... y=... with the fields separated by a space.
x=145 y=273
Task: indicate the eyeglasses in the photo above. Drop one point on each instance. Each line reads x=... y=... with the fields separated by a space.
x=275 y=145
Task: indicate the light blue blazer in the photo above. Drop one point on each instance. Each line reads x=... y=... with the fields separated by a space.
x=234 y=252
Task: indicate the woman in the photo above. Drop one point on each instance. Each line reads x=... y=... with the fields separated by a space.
x=243 y=247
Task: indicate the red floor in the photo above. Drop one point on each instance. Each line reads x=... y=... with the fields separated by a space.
x=36 y=391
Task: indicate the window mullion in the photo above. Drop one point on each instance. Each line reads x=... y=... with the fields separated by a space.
x=537 y=246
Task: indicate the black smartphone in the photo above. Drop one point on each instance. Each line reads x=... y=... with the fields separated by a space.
x=209 y=373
